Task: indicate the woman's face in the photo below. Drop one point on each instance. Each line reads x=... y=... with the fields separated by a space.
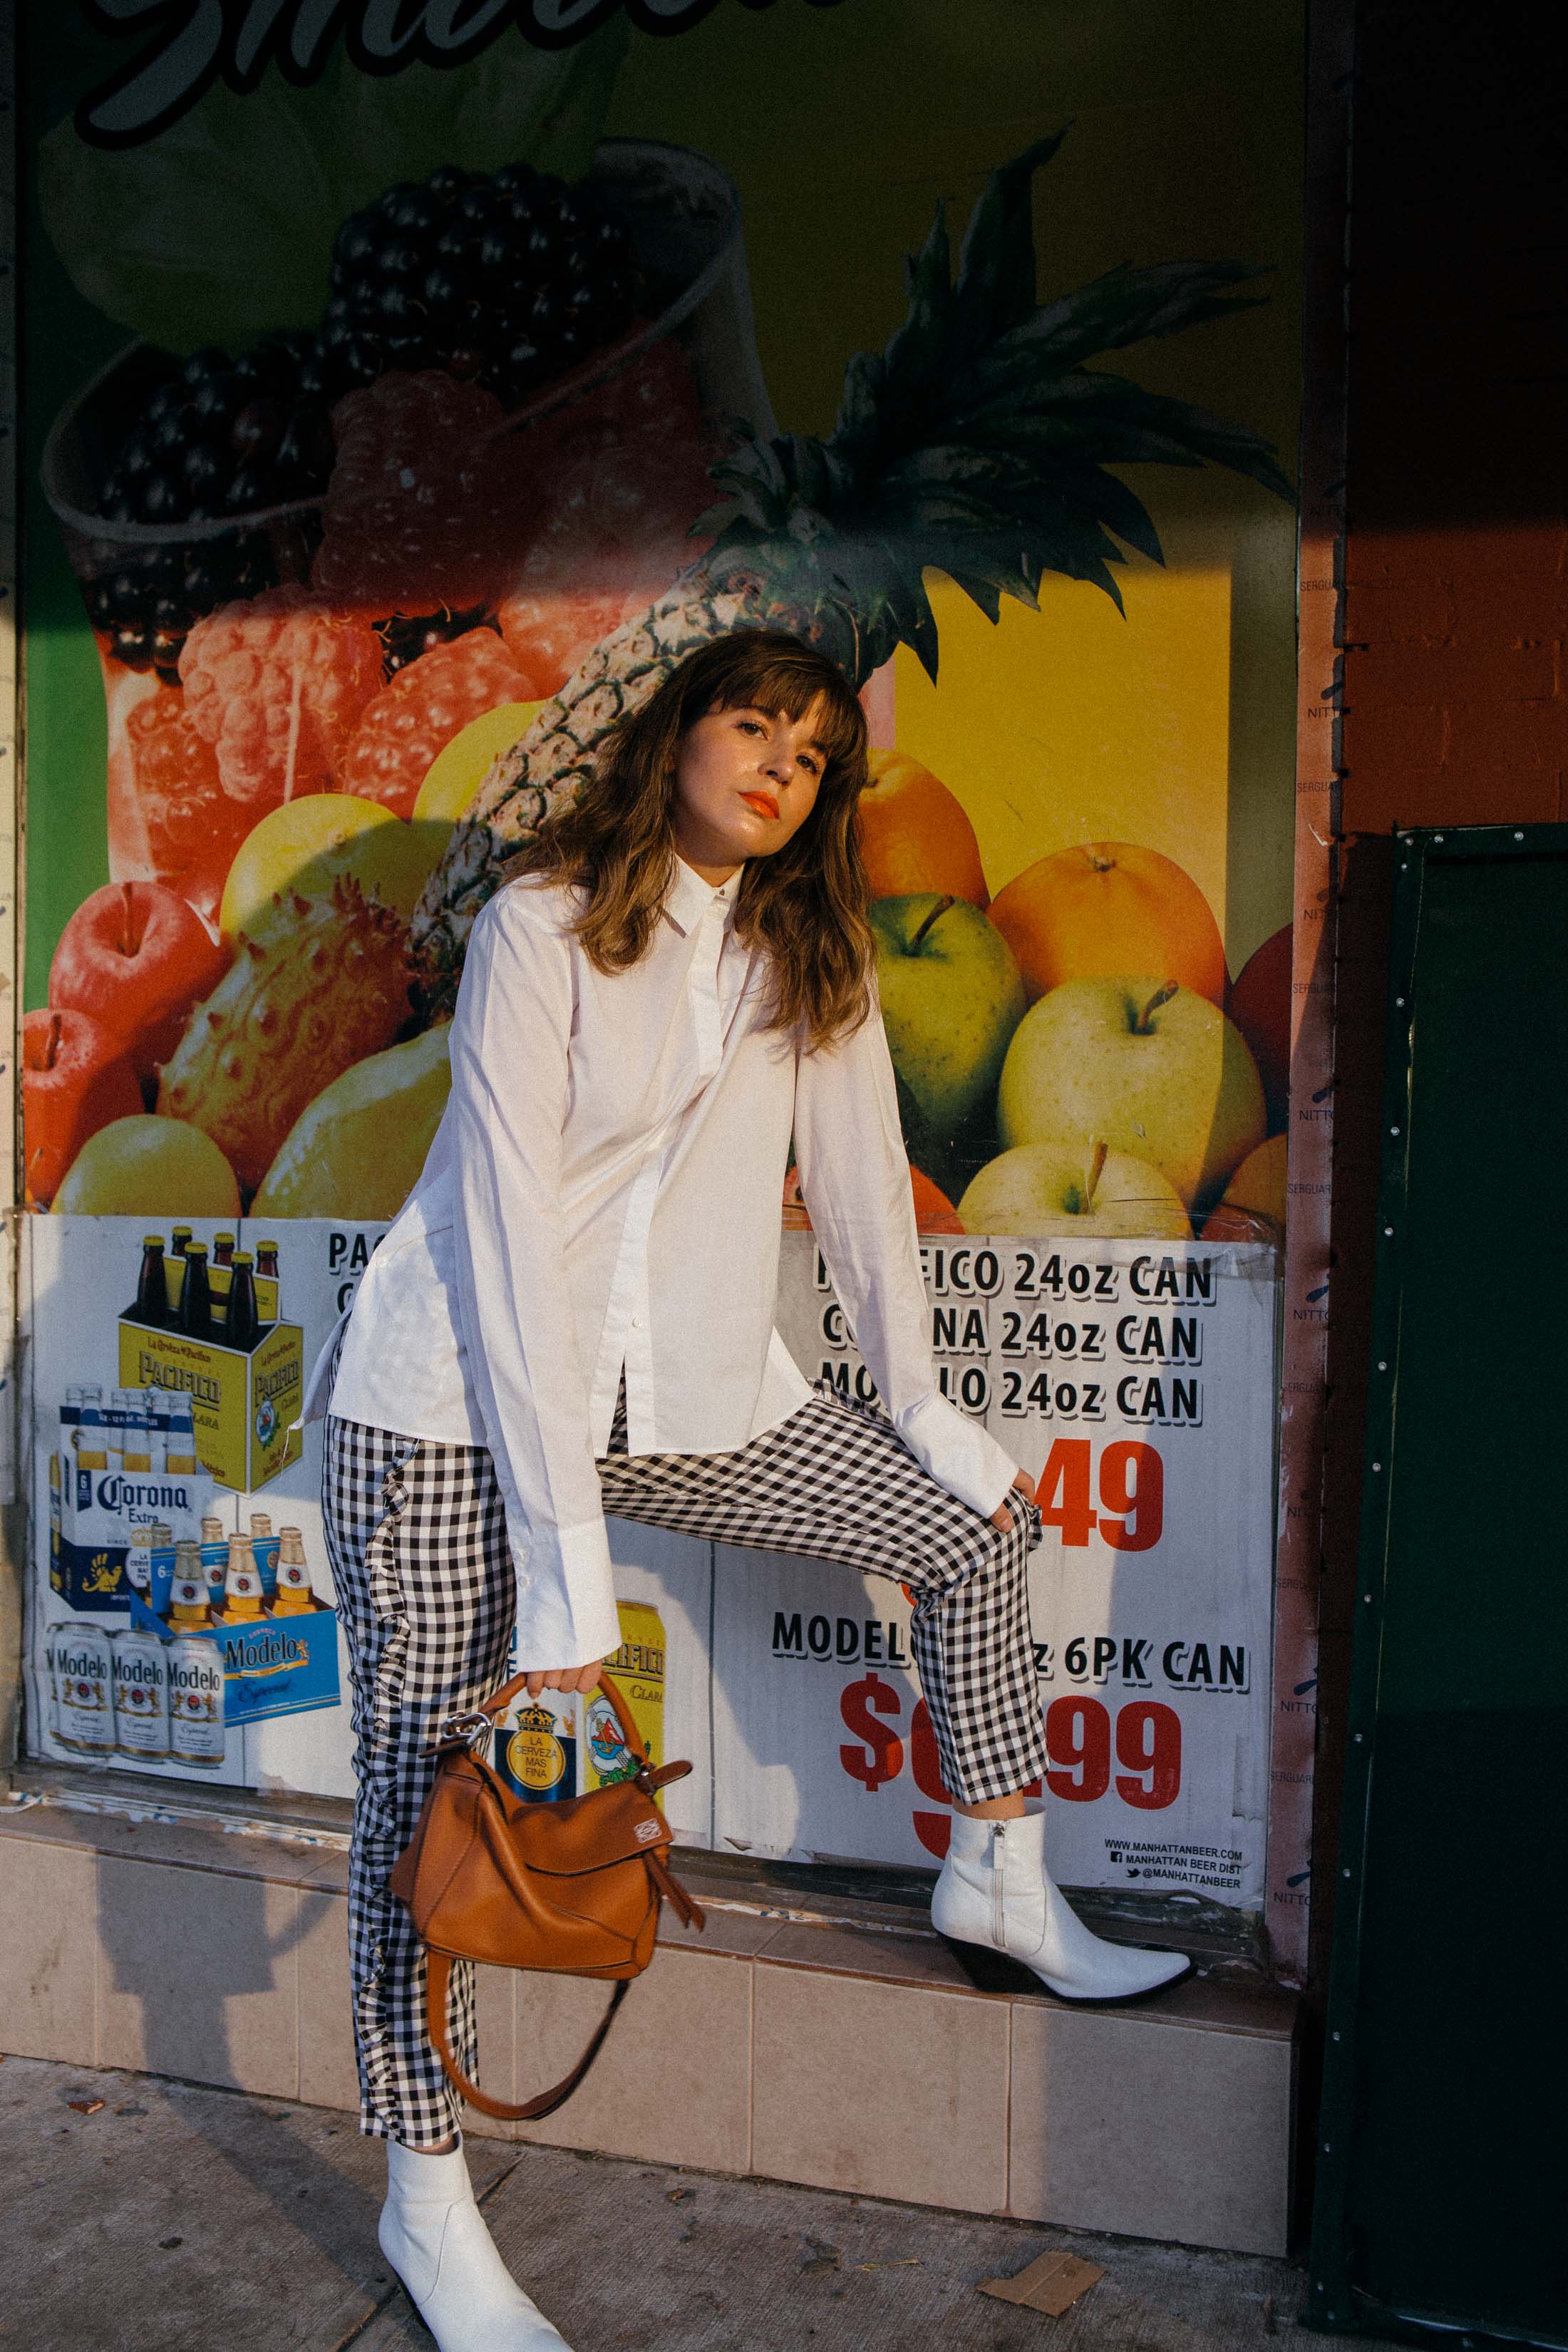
x=745 y=783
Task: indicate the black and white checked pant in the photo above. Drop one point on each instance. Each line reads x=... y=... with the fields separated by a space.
x=417 y=1534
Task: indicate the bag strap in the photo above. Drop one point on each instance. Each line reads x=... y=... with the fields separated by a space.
x=438 y=1979
x=462 y=1728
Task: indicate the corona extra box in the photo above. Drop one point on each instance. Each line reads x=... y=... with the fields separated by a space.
x=242 y=1403
x=271 y=1666
x=90 y=1574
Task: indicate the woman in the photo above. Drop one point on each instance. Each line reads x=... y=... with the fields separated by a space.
x=572 y=1316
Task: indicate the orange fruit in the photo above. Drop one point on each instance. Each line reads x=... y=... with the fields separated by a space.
x=1109 y=907
x=914 y=834
x=934 y=1213
x=1257 y=1188
x=1261 y=1007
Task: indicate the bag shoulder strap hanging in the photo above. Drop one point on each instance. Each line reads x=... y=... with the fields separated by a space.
x=571 y=1887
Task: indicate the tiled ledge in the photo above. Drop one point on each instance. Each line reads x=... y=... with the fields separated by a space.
x=855 y=2051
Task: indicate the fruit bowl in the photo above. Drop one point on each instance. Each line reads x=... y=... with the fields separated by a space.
x=658 y=398
x=682 y=213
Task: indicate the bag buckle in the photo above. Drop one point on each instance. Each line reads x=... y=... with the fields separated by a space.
x=463 y=1730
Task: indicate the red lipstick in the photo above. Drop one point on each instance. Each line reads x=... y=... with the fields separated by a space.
x=763 y=802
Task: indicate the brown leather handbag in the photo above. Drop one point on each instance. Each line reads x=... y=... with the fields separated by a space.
x=572 y=1887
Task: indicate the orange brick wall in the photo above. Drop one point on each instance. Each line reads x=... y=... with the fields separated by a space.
x=1456 y=568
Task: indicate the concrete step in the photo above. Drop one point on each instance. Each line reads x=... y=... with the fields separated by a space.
x=809 y=2036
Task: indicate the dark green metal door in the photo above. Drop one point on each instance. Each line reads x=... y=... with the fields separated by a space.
x=1443 y=2163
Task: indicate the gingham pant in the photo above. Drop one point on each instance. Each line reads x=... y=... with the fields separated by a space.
x=417 y=1534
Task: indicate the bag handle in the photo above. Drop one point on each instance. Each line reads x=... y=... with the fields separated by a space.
x=477 y=1718
x=438 y=1977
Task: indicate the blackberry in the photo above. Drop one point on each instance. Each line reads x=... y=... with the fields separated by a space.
x=509 y=279
x=148 y=604
x=406 y=636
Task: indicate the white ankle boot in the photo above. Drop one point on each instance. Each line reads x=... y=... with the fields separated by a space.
x=995 y=1890
x=434 y=2237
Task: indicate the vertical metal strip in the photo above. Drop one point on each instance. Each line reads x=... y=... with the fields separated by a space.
x=1319 y=636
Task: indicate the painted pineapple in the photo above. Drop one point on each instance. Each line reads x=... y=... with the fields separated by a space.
x=976 y=443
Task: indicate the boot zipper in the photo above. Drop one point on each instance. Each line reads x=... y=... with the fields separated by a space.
x=998 y=1910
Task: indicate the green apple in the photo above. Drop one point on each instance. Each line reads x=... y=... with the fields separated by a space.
x=1056 y=1190
x=1150 y=1068
x=952 y=997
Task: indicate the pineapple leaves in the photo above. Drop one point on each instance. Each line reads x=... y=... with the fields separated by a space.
x=977 y=442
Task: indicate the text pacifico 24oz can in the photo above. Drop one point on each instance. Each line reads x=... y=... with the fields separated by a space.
x=638 y=1669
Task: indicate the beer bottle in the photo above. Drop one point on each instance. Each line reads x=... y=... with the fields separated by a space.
x=188 y=1594
x=152 y=1294
x=214 y=1559
x=294 y=1595
x=223 y=1249
x=195 y=1296
x=180 y=1241
x=179 y=1446
x=241 y=1583
x=240 y=1323
x=267 y=1259
x=264 y=1544
x=93 y=1435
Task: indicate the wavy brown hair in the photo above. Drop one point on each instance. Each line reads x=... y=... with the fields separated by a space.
x=806 y=904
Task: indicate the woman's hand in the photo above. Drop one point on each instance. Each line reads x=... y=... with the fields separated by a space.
x=1026 y=1486
x=564 y=1678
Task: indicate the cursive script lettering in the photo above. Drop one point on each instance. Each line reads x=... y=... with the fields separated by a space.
x=194 y=43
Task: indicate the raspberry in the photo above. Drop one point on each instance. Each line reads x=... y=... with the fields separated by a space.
x=277 y=686
x=417 y=715
x=170 y=819
x=427 y=506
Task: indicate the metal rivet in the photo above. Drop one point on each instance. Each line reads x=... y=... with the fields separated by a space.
x=1333 y=2037
x=1518 y=836
x=1388 y=1229
x=1399 y=1000
x=1382 y=1363
x=1436 y=836
x=1327 y=2149
x=1358 y=1739
x=1366 y=1596
x=1394 y=1130
x=1377 y=1465
x=1405 y=866
x=1344 y=1873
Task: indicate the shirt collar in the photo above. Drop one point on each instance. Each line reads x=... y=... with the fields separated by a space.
x=689 y=898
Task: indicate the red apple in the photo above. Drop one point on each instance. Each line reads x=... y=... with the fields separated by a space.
x=1261 y=1007
x=135 y=958
x=75 y=1077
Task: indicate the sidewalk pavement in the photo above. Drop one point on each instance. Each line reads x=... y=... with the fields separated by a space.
x=153 y=2216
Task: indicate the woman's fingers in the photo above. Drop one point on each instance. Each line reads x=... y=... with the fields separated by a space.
x=564 y=1678
x=1025 y=1486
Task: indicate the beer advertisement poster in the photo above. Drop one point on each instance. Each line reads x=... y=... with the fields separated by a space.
x=403 y=389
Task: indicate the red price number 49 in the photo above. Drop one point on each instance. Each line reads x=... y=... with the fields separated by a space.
x=1131 y=1494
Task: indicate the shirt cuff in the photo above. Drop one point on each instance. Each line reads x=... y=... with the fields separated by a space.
x=959 y=1453
x=565 y=1595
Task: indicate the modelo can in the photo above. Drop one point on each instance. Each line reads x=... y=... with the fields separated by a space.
x=84 y=1689
x=195 y=1701
x=141 y=1696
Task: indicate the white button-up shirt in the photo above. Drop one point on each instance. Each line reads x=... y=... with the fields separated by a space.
x=603 y=1194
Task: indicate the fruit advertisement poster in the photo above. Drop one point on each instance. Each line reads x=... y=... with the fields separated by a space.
x=406 y=388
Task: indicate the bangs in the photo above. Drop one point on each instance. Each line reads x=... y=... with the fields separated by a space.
x=787 y=684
